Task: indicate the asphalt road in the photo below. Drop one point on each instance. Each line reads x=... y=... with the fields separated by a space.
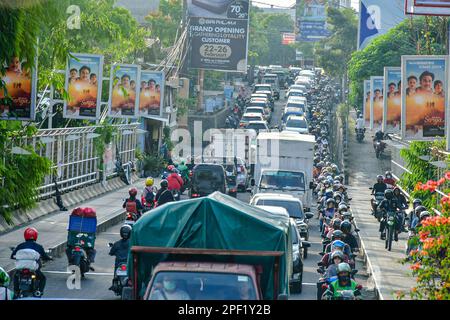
x=95 y=284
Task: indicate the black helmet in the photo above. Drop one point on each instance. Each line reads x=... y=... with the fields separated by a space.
x=424 y=214
x=420 y=209
x=388 y=194
x=337 y=224
x=164 y=184
x=337 y=234
x=125 y=232
x=346 y=226
x=417 y=202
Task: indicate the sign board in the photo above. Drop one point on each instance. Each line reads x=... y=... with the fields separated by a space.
x=428 y=7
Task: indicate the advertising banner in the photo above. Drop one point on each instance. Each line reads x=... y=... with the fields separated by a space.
x=19 y=100
x=218 y=34
x=288 y=38
x=376 y=102
x=84 y=74
x=311 y=20
x=424 y=97
x=151 y=98
x=366 y=102
x=376 y=17
x=392 y=114
x=428 y=7
x=124 y=91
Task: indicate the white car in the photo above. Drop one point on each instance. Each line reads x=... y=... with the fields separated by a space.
x=260 y=110
x=295 y=93
x=247 y=117
x=258 y=126
x=296 y=124
x=297 y=87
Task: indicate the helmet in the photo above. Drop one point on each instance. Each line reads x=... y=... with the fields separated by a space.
x=337 y=234
x=88 y=211
x=331 y=200
x=347 y=215
x=4 y=278
x=417 y=202
x=164 y=183
x=170 y=168
x=342 y=207
x=388 y=174
x=339 y=254
x=337 y=194
x=360 y=116
x=125 y=231
x=149 y=182
x=337 y=244
x=424 y=214
x=420 y=209
x=337 y=224
x=388 y=194
x=132 y=192
x=30 y=234
x=380 y=177
x=344 y=267
x=346 y=226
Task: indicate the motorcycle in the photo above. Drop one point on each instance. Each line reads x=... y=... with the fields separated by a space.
x=379 y=148
x=360 y=135
x=131 y=218
x=120 y=279
x=376 y=200
x=78 y=256
x=391 y=222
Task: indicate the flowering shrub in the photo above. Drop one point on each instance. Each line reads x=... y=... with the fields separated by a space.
x=431 y=260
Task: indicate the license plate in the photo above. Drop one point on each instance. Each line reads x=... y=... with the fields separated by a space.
x=390 y=223
x=121 y=272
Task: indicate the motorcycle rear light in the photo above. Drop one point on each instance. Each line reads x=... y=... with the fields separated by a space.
x=77 y=249
x=25 y=271
x=359 y=287
x=190 y=174
x=324 y=286
x=123 y=267
x=195 y=195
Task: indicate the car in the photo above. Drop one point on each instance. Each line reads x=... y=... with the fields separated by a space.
x=296 y=280
x=296 y=104
x=247 y=117
x=291 y=111
x=258 y=126
x=260 y=103
x=263 y=111
x=268 y=94
x=207 y=178
x=241 y=172
x=272 y=79
x=296 y=124
x=295 y=93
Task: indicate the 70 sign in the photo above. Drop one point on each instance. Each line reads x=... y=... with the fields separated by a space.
x=238 y=10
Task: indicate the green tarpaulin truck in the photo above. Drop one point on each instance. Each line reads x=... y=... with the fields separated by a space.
x=214 y=247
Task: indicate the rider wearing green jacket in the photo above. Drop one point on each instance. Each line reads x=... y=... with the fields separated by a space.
x=343 y=283
x=184 y=170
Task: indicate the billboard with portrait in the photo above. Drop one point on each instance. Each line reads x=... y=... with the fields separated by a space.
x=151 y=97
x=366 y=102
x=124 y=91
x=424 y=97
x=84 y=74
x=392 y=114
x=18 y=101
x=428 y=7
x=376 y=102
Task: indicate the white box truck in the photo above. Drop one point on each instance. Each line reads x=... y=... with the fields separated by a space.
x=284 y=164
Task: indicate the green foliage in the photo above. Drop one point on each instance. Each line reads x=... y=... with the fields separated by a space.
x=184 y=105
x=153 y=164
x=166 y=21
x=166 y=138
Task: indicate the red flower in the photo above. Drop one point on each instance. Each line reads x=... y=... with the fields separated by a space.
x=424 y=235
x=441 y=181
x=415 y=266
x=447 y=175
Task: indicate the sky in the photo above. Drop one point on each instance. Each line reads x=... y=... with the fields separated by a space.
x=287 y=3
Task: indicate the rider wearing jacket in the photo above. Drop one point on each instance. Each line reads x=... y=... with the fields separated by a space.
x=344 y=282
x=380 y=186
x=349 y=238
x=31 y=235
x=164 y=195
x=132 y=204
x=120 y=248
x=389 y=204
x=174 y=180
x=389 y=179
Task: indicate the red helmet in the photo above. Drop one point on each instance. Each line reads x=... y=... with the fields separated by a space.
x=30 y=234
x=89 y=211
x=171 y=168
x=133 y=191
x=77 y=211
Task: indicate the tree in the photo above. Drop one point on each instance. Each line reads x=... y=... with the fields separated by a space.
x=166 y=21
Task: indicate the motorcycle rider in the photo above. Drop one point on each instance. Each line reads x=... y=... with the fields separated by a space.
x=389 y=204
x=349 y=238
x=416 y=203
x=174 y=180
x=132 y=204
x=343 y=282
x=416 y=218
x=184 y=171
x=379 y=136
x=403 y=203
x=335 y=245
x=149 y=195
x=379 y=187
x=360 y=124
x=31 y=235
x=337 y=257
x=164 y=195
x=5 y=293
x=120 y=248
x=389 y=179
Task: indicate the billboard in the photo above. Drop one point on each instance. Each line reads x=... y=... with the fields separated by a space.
x=424 y=97
x=377 y=17
x=311 y=16
x=124 y=91
x=366 y=102
x=288 y=38
x=392 y=111
x=84 y=74
x=428 y=7
x=218 y=34
x=376 y=102
x=19 y=100
x=151 y=98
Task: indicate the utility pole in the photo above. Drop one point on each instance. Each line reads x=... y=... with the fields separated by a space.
x=201 y=78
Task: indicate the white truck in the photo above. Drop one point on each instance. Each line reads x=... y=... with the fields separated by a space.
x=284 y=164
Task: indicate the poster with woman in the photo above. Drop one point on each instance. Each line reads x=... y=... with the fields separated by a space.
x=424 y=97
x=376 y=102
x=84 y=76
x=124 y=91
x=151 y=98
x=393 y=100
x=18 y=90
x=366 y=102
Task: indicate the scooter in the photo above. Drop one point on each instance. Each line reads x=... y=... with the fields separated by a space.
x=360 y=135
x=379 y=148
x=79 y=256
x=120 y=279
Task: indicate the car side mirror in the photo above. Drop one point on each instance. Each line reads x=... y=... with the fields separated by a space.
x=309 y=215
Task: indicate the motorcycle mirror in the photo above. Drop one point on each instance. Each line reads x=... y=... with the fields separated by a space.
x=359 y=287
x=306 y=244
x=110 y=244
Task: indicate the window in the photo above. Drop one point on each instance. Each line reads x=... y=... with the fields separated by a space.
x=292 y=207
x=301 y=124
x=283 y=180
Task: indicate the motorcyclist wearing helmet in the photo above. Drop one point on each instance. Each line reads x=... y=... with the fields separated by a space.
x=416 y=219
x=389 y=179
x=164 y=195
x=360 y=124
x=337 y=198
x=184 y=171
x=412 y=214
x=349 y=238
x=423 y=216
x=335 y=225
x=149 y=194
x=380 y=186
x=343 y=282
x=174 y=180
x=5 y=293
x=31 y=236
x=389 y=204
x=337 y=257
x=335 y=245
x=132 y=204
x=120 y=248
x=329 y=211
x=338 y=235
x=403 y=203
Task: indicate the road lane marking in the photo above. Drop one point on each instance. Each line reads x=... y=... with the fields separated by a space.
x=309 y=284
x=89 y=273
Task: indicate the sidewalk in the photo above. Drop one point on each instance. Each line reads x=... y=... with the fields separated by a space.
x=53 y=228
x=389 y=274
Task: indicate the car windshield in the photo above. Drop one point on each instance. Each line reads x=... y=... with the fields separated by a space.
x=177 y=285
x=296 y=105
x=283 y=180
x=292 y=207
x=255 y=104
x=296 y=94
x=286 y=115
x=248 y=118
x=297 y=124
x=209 y=175
x=257 y=126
